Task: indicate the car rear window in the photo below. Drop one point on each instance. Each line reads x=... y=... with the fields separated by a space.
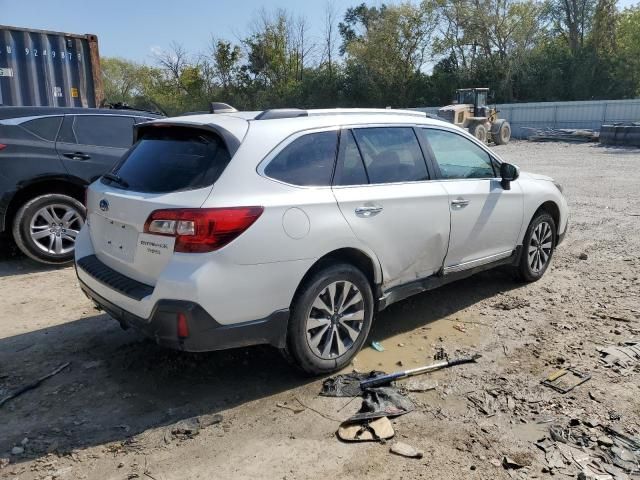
x=171 y=159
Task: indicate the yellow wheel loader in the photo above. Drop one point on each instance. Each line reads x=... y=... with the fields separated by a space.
x=470 y=111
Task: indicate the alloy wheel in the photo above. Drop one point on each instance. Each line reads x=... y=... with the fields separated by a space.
x=540 y=247
x=335 y=320
x=54 y=228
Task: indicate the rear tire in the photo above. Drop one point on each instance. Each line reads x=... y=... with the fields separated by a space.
x=537 y=248
x=331 y=316
x=45 y=228
x=479 y=131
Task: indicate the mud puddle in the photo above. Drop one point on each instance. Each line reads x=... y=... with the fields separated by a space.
x=418 y=347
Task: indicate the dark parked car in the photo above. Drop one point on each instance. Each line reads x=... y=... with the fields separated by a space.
x=47 y=158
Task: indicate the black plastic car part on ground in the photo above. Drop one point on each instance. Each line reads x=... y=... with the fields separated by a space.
x=47 y=157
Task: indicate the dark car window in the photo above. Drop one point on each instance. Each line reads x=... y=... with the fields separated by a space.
x=99 y=130
x=172 y=159
x=45 y=127
x=307 y=161
x=458 y=157
x=350 y=168
x=391 y=154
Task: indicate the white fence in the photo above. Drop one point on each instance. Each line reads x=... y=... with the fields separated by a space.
x=589 y=114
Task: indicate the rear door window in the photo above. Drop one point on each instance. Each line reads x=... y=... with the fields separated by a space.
x=172 y=159
x=45 y=127
x=306 y=161
x=99 y=130
x=391 y=154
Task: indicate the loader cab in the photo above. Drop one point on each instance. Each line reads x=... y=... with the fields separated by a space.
x=477 y=97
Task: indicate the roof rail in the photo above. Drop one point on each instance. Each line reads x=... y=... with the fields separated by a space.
x=219 y=107
x=274 y=113
x=362 y=111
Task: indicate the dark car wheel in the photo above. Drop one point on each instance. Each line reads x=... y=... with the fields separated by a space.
x=330 y=319
x=46 y=227
x=537 y=247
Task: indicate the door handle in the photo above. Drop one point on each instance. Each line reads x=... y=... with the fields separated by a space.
x=368 y=210
x=77 y=156
x=459 y=203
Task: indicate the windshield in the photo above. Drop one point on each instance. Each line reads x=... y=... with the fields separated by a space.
x=465 y=96
x=170 y=159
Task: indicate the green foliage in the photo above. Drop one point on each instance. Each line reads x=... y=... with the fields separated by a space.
x=400 y=55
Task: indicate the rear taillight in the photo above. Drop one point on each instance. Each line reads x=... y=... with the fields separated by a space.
x=183 y=326
x=199 y=230
x=2 y=146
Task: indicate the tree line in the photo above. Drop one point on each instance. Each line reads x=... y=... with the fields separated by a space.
x=401 y=55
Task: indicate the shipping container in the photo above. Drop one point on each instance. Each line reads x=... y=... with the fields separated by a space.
x=45 y=68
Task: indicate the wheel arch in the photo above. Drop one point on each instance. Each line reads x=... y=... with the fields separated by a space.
x=552 y=209
x=66 y=185
x=353 y=256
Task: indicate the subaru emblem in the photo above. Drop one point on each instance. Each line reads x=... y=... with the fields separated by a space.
x=104 y=205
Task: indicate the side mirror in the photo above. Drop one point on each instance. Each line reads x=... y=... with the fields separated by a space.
x=508 y=173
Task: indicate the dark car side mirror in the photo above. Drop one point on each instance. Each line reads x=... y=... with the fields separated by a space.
x=508 y=173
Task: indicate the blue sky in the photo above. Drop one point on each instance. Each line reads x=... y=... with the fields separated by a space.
x=134 y=28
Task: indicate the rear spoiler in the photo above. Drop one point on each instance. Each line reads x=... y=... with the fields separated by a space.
x=228 y=138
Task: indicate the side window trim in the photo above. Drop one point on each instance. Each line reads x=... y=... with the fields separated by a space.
x=427 y=155
x=67 y=118
x=364 y=165
x=426 y=149
x=493 y=160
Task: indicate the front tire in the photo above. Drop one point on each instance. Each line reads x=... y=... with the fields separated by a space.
x=538 y=247
x=480 y=132
x=45 y=228
x=331 y=316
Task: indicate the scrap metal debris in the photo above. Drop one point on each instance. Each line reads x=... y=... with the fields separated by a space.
x=599 y=452
x=623 y=356
x=562 y=135
x=565 y=379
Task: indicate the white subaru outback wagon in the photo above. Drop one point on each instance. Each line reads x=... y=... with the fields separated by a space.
x=294 y=227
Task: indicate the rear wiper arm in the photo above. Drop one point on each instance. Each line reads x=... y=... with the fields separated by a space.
x=116 y=178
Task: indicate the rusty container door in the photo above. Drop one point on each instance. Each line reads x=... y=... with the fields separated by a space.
x=42 y=68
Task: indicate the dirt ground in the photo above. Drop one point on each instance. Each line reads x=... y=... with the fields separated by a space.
x=125 y=408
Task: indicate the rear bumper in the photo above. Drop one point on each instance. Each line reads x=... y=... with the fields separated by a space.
x=205 y=333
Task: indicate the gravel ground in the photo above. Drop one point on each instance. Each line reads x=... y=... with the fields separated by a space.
x=125 y=408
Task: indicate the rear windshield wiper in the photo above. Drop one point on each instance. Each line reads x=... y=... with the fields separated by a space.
x=116 y=178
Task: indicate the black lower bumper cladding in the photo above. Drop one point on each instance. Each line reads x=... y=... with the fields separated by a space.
x=205 y=333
